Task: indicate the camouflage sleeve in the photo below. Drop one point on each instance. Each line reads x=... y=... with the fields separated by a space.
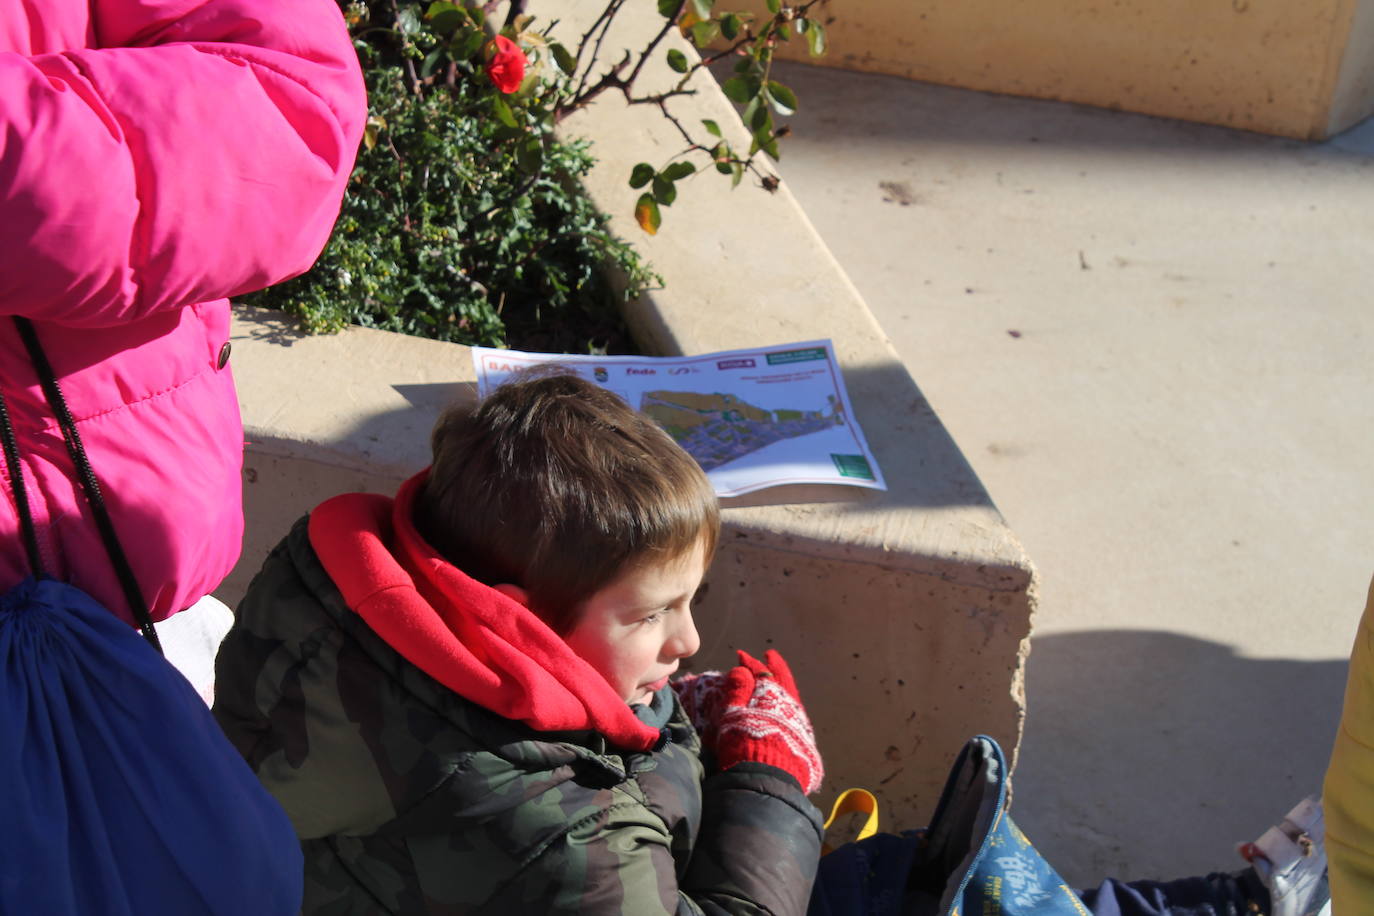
x=759 y=844
x=756 y=853
x=607 y=869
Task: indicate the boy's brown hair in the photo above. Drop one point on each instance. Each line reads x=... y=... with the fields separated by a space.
x=558 y=486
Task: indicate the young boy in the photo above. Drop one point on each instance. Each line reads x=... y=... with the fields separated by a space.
x=460 y=696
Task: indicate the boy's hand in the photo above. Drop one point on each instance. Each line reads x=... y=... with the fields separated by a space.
x=776 y=667
x=754 y=713
x=703 y=698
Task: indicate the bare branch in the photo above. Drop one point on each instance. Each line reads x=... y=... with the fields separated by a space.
x=668 y=26
x=657 y=98
x=611 y=79
x=414 y=78
x=517 y=7
x=765 y=178
x=603 y=22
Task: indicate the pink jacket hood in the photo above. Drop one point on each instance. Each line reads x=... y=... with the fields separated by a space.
x=467 y=636
x=156 y=157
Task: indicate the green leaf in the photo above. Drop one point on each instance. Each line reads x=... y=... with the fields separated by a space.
x=815 y=37
x=466 y=44
x=408 y=21
x=530 y=156
x=432 y=62
x=537 y=113
x=503 y=112
x=562 y=59
x=721 y=154
x=665 y=192
x=712 y=127
x=750 y=111
x=774 y=6
x=744 y=65
x=770 y=146
x=736 y=89
x=647 y=215
x=703 y=33
x=730 y=26
x=677 y=171
x=761 y=121
x=641 y=174
x=738 y=171
x=669 y=8
x=703 y=8
x=783 y=99
x=445 y=18
x=677 y=60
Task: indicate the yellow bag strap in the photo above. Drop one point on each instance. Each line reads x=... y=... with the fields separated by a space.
x=853 y=801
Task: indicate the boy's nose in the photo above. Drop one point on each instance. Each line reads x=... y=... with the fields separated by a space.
x=685 y=641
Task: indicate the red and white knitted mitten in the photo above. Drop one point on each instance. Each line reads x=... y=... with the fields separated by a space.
x=763 y=721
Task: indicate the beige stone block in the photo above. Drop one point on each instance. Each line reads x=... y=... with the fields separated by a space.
x=1294 y=69
x=904 y=614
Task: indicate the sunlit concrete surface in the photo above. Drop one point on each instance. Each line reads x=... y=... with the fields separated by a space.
x=1154 y=342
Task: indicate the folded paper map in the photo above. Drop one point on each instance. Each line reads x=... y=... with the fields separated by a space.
x=751 y=418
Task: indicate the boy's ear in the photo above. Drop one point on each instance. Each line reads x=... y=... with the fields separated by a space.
x=514 y=593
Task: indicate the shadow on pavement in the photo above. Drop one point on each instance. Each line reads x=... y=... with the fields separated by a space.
x=1196 y=732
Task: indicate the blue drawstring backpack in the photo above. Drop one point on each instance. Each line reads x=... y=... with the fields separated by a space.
x=971 y=861
x=119 y=793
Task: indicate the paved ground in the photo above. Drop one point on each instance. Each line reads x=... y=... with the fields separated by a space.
x=1154 y=342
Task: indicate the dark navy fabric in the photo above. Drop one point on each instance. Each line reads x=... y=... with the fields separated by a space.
x=121 y=796
x=1212 y=895
x=866 y=878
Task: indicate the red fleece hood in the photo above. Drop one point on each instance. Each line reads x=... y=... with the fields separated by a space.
x=467 y=636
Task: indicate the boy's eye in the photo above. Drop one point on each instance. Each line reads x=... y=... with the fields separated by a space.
x=651 y=618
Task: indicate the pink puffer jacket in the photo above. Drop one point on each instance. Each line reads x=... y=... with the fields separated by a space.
x=156 y=157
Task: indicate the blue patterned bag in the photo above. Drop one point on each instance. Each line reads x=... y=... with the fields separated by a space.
x=971 y=861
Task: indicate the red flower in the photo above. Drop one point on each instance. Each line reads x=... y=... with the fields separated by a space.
x=506 y=65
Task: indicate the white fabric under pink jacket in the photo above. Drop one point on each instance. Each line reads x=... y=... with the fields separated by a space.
x=156 y=157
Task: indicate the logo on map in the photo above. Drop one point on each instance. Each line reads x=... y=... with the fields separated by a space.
x=601 y=374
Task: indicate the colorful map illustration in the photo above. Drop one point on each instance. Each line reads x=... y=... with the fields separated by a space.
x=766 y=417
x=719 y=428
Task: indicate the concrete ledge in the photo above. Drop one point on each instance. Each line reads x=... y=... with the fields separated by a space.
x=1302 y=70
x=905 y=614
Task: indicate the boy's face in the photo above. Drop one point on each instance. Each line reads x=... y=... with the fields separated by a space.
x=635 y=630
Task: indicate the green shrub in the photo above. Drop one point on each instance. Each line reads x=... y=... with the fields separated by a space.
x=446 y=233
x=464 y=219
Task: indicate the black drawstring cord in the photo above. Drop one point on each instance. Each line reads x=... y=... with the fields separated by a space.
x=21 y=495
x=88 y=481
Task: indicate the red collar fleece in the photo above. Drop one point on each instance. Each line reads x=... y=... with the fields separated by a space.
x=467 y=636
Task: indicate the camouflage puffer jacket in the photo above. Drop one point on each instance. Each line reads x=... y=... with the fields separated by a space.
x=410 y=799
